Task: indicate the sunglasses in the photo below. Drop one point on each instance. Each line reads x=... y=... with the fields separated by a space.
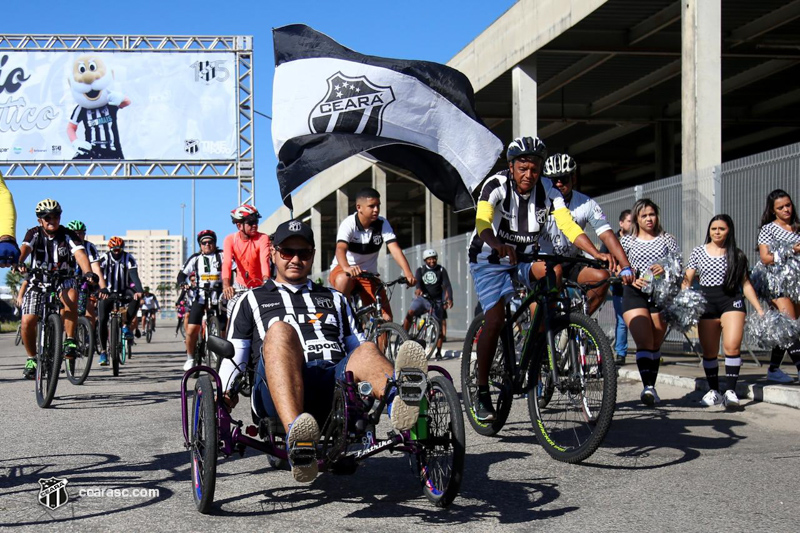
x=207 y=243
x=250 y=221
x=52 y=217
x=116 y=250
x=303 y=254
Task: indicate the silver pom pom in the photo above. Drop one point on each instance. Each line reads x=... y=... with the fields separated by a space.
x=685 y=309
x=772 y=329
x=665 y=286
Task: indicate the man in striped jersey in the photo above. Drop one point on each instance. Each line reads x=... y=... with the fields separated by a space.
x=310 y=338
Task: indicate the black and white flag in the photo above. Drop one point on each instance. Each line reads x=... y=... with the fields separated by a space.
x=330 y=103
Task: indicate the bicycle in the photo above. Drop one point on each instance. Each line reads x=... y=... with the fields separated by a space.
x=210 y=326
x=148 y=324
x=425 y=329
x=371 y=318
x=77 y=369
x=49 y=332
x=119 y=347
x=567 y=372
x=436 y=444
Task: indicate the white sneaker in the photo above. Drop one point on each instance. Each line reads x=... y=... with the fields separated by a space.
x=188 y=364
x=650 y=396
x=778 y=375
x=730 y=400
x=712 y=397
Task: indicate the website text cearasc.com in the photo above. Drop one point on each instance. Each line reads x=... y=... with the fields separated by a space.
x=104 y=492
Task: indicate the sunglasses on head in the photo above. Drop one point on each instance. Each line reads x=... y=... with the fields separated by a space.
x=303 y=254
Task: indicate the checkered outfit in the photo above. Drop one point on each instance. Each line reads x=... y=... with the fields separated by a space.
x=643 y=254
x=710 y=269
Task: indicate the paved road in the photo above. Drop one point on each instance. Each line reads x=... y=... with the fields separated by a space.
x=675 y=468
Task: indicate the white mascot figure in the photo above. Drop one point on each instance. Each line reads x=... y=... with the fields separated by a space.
x=97 y=110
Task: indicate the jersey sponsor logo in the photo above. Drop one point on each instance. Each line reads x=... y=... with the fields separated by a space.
x=322 y=345
x=598 y=213
x=325 y=303
x=209 y=277
x=517 y=238
x=272 y=304
x=311 y=318
x=351 y=105
x=429 y=278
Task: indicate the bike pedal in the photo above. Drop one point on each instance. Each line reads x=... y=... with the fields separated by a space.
x=412 y=384
x=303 y=453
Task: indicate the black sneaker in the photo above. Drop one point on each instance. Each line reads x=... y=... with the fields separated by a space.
x=70 y=348
x=484 y=410
x=29 y=372
x=620 y=360
x=137 y=333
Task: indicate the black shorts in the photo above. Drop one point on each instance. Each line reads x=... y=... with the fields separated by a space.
x=718 y=302
x=571 y=271
x=633 y=298
x=196 y=313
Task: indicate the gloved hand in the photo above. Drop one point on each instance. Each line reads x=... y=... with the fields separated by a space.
x=115 y=98
x=81 y=146
x=9 y=253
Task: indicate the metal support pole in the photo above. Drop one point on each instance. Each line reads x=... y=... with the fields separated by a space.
x=183 y=232
x=194 y=242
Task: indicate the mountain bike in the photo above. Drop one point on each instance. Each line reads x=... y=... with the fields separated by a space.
x=385 y=333
x=425 y=329
x=210 y=326
x=77 y=369
x=559 y=358
x=148 y=324
x=119 y=347
x=49 y=331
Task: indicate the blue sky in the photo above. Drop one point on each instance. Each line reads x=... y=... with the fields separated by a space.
x=433 y=31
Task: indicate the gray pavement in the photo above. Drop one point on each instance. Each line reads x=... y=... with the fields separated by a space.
x=678 y=467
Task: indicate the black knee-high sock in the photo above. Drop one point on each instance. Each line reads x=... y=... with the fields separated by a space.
x=645 y=365
x=776 y=358
x=656 y=365
x=711 y=368
x=733 y=363
x=794 y=353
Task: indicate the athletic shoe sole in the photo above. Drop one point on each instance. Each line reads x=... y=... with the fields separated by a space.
x=648 y=399
x=411 y=356
x=304 y=434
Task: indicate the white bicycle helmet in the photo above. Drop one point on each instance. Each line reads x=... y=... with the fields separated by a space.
x=46 y=207
x=430 y=252
x=558 y=165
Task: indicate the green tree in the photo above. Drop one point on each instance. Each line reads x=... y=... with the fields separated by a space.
x=13 y=281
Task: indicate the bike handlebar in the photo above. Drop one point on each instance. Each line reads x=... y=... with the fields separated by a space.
x=561 y=259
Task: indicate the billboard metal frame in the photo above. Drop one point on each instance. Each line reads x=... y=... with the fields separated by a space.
x=242 y=168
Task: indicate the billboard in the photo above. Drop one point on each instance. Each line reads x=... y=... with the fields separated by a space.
x=81 y=105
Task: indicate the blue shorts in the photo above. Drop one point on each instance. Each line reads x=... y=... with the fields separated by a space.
x=494 y=282
x=319 y=380
x=421 y=305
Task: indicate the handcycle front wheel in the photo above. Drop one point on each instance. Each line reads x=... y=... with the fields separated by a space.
x=203 y=444
x=440 y=463
x=78 y=368
x=500 y=385
x=575 y=420
x=48 y=361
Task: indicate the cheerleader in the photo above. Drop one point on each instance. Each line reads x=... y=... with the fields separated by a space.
x=722 y=274
x=646 y=244
x=779 y=223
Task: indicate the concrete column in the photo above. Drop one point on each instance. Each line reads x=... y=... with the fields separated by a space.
x=701 y=112
x=316 y=227
x=523 y=99
x=665 y=149
x=451 y=222
x=379 y=184
x=342 y=205
x=434 y=218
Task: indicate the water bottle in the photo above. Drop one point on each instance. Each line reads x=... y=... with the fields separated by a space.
x=648 y=279
x=420 y=430
x=82 y=297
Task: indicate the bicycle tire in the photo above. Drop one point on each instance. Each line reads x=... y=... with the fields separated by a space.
x=149 y=331
x=213 y=329
x=203 y=443
x=78 y=368
x=18 y=338
x=48 y=364
x=445 y=440
x=429 y=335
x=396 y=336
x=114 y=345
x=500 y=384
x=575 y=421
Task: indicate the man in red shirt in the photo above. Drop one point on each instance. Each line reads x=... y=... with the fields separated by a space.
x=250 y=249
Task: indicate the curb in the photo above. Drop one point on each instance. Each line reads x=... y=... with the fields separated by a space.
x=777 y=394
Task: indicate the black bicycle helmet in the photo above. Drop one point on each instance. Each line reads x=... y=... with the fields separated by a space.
x=529 y=146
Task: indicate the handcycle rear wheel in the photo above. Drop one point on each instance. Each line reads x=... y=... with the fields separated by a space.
x=573 y=424
x=500 y=384
x=440 y=464
x=395 y=336
x=78 y=368
x=48 y=361
x=203 y=444
x=114 y=344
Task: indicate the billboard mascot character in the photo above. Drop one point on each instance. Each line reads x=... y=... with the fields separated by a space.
x=97 y=109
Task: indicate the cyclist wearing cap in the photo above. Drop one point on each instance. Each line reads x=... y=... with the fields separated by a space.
x=205 y=266
x=512 y=214
x=120 y=271
x=434 y=295
x=562 y=170
x=94 y=259
x=310 y=339
x=249 y=250
x=51 y=246
x=9 y=251
x=358 y=243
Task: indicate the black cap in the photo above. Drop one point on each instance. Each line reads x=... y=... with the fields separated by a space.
x=293 y=228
